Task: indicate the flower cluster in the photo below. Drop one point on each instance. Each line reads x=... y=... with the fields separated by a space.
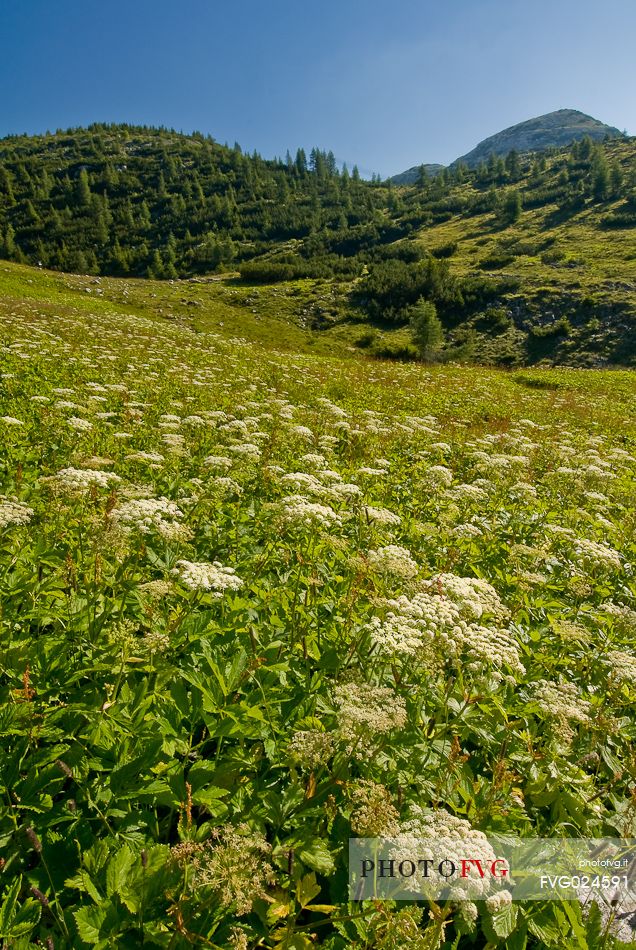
x=373 y=813
x=201 y=575
x=622 y=665
x=146 y=515
x=81 y=479
x=437 y=625
x=381 y=516
x=455 y=838
x=235 y=865
x=366 y=712
x=81 y=425
x=562 y=701
x=311 y=748
x=13 y=512
x=473 y=596
x=598 y=554
x=393 y=561
x=297 y=511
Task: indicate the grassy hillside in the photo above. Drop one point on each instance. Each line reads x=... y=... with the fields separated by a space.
x=528 y=259
x=284 y=316
x=256 y=602
x=569 y=259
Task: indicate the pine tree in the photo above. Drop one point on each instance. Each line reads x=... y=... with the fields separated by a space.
x=493 y=199
x=144 y=215
x=78 y=262
x=301 y=162
x=482 y=173
x=600 y=176
x=118 y=259
x=9 y=246
x=616 y=179
x=426 y=329
x=83 y=190
x=513 y=165
x=6 y=188
x=511 y=207
x=155 y=269
x=31 y=214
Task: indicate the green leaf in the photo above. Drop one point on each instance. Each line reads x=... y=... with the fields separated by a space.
x=8 y=908
x=118 y=870
x=547 y=932
x=209 y=799
x=295 y=942
x=307 y=889
x=131 y=773
x=83 y=881
x=89 y=921
x=504 y=920
x=594 y=927
x=518 y=940
x=316 y=855
x=578 y=930
x=26 y=919
x=96 y=857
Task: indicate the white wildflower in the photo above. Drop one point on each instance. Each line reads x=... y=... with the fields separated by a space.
x=296 y=510
x=81 y=479
x=366 y=712
x=145 y=514
x=81 y=425
x=394 y=561
x=218 y=461
x=13 y=512
x=311 y=748
x=381 y=516
x=497 y=902
x=562 y=701
x=201 y=575
x=456 y=839
x=598 y=554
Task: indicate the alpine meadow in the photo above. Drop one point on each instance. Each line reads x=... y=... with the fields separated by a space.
x=317 y=523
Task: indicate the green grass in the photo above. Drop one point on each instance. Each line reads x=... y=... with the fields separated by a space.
x=599 y=254
x=280 y=316
x=216 y=554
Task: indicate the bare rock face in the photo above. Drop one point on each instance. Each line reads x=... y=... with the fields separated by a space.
x=535 y=135
x=411 y=175
x=552 y=130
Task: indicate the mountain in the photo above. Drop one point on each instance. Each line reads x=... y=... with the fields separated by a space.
x=553 y=130
x=527 y=260
x=411 y=175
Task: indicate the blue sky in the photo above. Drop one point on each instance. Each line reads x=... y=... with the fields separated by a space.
x=385 y=85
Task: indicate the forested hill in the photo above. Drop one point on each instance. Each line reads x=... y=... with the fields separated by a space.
x=138 y=201
x=525 y=257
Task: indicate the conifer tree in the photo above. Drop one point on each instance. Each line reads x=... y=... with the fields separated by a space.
x=83 y=190
x=426 y=328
